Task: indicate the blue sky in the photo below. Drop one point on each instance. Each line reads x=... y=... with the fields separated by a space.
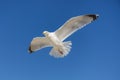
x=95 y=53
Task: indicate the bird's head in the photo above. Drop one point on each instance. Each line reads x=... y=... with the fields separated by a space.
x=46 y=33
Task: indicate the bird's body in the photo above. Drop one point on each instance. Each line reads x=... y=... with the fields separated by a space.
x=56 y=39
x=53 y=39
x=57 y=44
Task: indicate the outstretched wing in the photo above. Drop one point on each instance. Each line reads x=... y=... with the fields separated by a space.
x=38 y=43
x=73 y=25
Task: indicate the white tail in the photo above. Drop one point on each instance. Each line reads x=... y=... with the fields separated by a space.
x=59 y=53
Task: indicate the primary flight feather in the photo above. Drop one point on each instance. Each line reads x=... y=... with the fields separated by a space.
x=56 y=39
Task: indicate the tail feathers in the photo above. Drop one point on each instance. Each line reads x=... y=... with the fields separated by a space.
x=68 y=44
x=61 y=52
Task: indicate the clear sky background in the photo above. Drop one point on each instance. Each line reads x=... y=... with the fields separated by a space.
x=95 y=53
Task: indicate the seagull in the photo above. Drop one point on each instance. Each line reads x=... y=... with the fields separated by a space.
x=56 y=39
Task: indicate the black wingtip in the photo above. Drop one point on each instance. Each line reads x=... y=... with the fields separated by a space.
x=94 y=16
x=30 y=51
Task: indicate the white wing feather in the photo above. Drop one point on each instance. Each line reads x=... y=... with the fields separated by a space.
x=38 y=43
x=73 y=25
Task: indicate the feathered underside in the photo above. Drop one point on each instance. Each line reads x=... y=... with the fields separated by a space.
x=61 y=52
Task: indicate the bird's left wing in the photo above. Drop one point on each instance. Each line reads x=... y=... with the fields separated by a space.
x=73 y=25
x=38 y=43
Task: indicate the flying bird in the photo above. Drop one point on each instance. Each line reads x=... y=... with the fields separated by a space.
x=56 y=39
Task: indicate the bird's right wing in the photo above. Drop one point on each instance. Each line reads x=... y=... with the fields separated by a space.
x=73 y=25
x=38 y=43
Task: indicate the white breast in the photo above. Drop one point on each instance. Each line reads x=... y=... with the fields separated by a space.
x=54 y=40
